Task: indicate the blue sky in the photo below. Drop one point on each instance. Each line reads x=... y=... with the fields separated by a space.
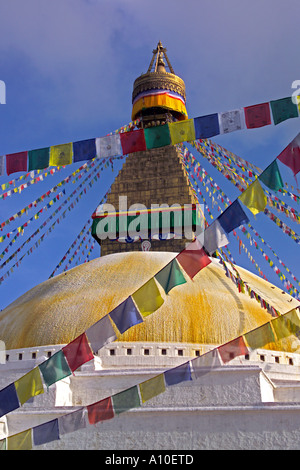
x=69 y=68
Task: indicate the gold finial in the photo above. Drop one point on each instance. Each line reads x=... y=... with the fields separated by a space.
x=158 y=54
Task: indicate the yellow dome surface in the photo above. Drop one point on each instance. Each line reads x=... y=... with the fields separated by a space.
x=208 y=309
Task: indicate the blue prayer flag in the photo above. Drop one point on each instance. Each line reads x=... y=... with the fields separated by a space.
x=8 y=399
x=178 y=374
x=233 y=217
x=84 y=150
x=206 y=126
x=45 y=432
x=126 y=315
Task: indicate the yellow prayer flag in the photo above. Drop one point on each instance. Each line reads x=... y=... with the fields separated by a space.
x=260 y=337
x=29 y=385
x=148 y=298
x=61 y=155
x=287 y=324
x=298 y=102
x=182 y=131
x=254 y=198
x=20 y=441
x=152 y=387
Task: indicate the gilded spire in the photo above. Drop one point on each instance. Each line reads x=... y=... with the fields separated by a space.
x=158 y=56
x=158 y=95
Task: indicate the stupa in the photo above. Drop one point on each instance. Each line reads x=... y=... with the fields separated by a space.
x=249 y=404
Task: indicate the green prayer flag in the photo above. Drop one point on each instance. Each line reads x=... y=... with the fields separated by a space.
x=126 y=400
x=158 y=136
x=271 y=176
x=260 y=337
x=55 y=368
x=38 y=159
x=283 y=109
x=170 y=276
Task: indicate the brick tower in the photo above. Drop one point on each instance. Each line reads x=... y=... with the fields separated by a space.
x=154 y=177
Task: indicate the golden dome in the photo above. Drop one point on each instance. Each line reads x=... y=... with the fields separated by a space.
x=207 y=310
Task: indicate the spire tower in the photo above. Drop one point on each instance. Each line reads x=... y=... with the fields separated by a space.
x=152 y=179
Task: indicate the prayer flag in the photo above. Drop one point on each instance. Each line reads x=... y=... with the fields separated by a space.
x=108 y=146
x=206 y=363
x=178 y=374
x=2 y=165
x=20 y=441
x=261 y=337
x=126 y=315
x=182 y=131
x=290 y=156
x=61 y=155
x=126 y=400
x=100 y=411
x=271 y=177
x=78 y=352
x=133 y=141
x=206 y=126
x=232 y=217
x=55 y=368
x=8 y=399
x=232 y=349
x=72 y=421
x=170 y=276
x=283 y=109
x=152 y=387
x=45 y=432
x=231 y=121
x=84 y=150
x=214 y=237
x=193 y=258
x=38 y=159
x=286 y=325
x=100 y=333
x=254 y=198
x=157 y=136
x=16 y=162
x=148 y=298
x=257 y=115
x=29 y=385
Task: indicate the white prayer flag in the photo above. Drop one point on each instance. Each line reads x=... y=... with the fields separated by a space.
x=72 y=421
x=231 y=121
x=100 y=333
x=109 y=146
x=214 y=237
x=205 y=363
x=2 y=169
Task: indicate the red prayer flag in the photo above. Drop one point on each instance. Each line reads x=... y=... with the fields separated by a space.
x=290 y=156
x=258 y=115
x=193 y=258
x=133 y=141
x=236 y=347
x=16 y=162
x=100 y=411
x=78 y=352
